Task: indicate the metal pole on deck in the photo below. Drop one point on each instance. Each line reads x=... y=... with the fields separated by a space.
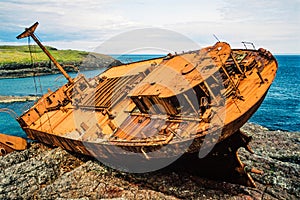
x=30 y=32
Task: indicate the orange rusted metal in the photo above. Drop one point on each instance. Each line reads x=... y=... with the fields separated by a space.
x=9 y=143
x=167 y=104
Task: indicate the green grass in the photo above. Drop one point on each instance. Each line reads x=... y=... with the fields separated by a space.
x=21 y=54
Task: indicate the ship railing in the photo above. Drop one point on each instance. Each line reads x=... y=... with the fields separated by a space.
x=248 y=43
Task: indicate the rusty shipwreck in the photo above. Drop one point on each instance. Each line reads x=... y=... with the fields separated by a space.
x=142 y=115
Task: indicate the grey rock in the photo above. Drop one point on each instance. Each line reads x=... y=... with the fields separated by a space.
x=41 y=172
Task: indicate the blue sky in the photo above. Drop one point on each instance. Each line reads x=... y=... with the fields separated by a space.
x=81 y=24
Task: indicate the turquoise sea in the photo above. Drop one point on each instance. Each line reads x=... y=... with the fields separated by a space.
x=279 y=111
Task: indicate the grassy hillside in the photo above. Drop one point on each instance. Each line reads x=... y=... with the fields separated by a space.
x=15 y=61
x=21 y=54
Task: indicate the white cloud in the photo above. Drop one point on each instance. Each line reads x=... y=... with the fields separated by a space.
x=72 y=19
x=81 y=24
x=263 y=11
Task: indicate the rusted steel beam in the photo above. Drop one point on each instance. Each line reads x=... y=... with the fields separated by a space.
x=30 y=32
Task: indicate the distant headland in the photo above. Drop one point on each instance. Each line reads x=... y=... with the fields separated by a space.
x=25 y=61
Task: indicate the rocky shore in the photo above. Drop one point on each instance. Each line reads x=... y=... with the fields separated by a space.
x=42 y=172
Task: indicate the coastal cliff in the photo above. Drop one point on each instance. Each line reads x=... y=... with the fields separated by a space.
x=42 y=172
x=15 y=61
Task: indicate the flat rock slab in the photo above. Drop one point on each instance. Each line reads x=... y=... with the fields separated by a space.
x=41 y=172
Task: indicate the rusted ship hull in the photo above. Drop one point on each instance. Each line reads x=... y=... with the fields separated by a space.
x=144 y=115
x=228 y=167
x=102 y=150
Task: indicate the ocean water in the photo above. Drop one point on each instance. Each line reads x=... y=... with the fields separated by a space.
x=279 y=111
x=281 y=108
